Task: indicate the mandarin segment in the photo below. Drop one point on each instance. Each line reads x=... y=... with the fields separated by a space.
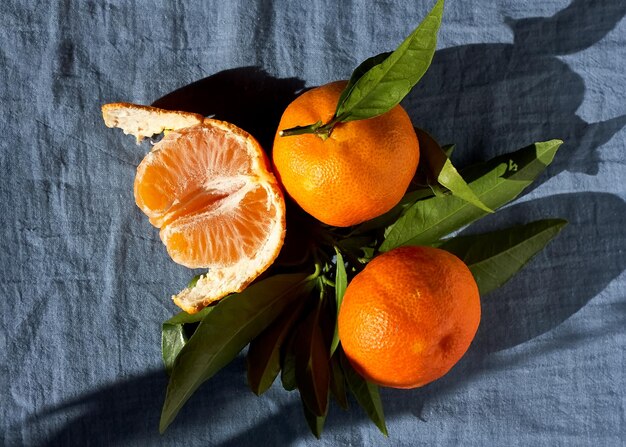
x=360 y=172
x=235 y=226
x=209 y=189
x=409 y=316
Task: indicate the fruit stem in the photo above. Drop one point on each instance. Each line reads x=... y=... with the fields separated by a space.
x=321 y=130
x=316 y=273
x=327 y=281
x=319 y=266
x=301 y=130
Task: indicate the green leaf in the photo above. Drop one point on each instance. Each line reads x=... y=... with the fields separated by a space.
x=495 y=257
x=224 y=332
x=384 y=85
x=315 y=422
x=288 y=365
x=194 y=281
x=448 y=149
x=359 y=71
x=366 y=394
x=185 y=318
x=338 y=383
x=263 y=359
x=312 y=364
x=443 y=172
x=496 y=182
x=393 y=214
x=341 y=283
x=174 y=337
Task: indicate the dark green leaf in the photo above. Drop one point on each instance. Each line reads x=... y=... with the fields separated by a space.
x=444 y=173
x=384 y=85
x=392 y=215
x=338 y=382
x=341 y=283
x=437 y=189
x=185 y=318
x=496 y=183
x=312 y=364
x=366 y=394
x=359 y=71
x=448 y=149
x=288 y=365
x=224 y=332
x=173 y=339
x=495 y=257
x=194 y=281
x=173 y=336
x=356 y=247
x=263 y=359
x=315 y=422
x=328 y=313
x=354 y=244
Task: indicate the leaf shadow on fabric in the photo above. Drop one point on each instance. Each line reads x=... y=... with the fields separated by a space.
x=573 y=269
x=464 y=98
x=492 y=98
x=127 y=412
x=583 y=257
x=248 y=97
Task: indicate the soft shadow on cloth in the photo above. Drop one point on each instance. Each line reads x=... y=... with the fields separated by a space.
x=511 y=316
x=464 y=85
x=494 y=98
x=130 y=409
x=247 y=97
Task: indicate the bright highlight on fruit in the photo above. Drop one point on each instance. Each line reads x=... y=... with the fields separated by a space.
x=409 y=316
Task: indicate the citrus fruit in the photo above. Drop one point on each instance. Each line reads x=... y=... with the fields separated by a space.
x=359 y=172
x=209 y=189
x=409 y=316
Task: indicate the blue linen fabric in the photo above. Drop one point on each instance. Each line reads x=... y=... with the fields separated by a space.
x=85 y=279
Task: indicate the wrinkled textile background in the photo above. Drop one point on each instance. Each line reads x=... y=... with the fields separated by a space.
x=85 y=279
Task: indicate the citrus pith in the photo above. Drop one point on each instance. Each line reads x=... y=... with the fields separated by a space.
x=209 y=190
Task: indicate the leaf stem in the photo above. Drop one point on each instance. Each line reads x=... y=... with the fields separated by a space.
x=327 y=281
x=300 y=130
x=319 y=129
x=316 y=273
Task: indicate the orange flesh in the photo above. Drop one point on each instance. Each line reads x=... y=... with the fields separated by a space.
x=186 y=238
x=213 y=204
